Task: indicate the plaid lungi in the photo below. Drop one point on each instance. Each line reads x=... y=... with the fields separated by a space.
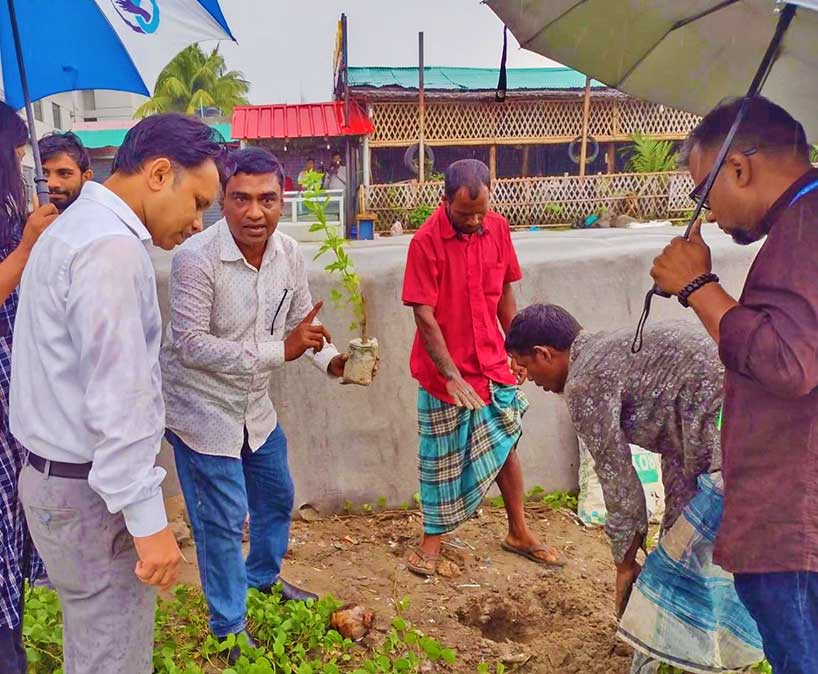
x=461 y=451
x=684 y=609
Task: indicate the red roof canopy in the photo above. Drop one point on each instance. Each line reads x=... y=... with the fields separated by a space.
x=307 y=120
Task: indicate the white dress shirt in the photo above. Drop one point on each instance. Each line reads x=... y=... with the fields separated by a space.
x=228 y=322
x=85 y=378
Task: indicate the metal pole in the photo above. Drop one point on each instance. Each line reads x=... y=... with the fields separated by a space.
x=586 y=111
x=421 y=114
x=40 y=182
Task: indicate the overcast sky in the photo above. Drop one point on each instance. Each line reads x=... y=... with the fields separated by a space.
x=285 y=46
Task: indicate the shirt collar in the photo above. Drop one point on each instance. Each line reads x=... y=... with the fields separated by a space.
x=100 y=194
x=449 y=232
x=784 y=200
x=229 y=251
x=579 y=342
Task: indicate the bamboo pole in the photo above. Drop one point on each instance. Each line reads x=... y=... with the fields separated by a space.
x=586 y=110
x=421 y=113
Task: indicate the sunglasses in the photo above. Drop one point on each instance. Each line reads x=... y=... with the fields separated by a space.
x=696 y=192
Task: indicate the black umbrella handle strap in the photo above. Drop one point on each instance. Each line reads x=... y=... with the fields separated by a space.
x=636 y=345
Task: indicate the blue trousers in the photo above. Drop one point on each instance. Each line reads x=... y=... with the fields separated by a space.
x=12 y=653
x=785 y=608
x=219 y=491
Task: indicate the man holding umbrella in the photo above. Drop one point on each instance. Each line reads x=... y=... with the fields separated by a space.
x=768 y=342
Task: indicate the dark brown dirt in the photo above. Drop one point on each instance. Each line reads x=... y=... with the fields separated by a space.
x=502 y=607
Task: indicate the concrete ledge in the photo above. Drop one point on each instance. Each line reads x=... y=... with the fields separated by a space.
x=360 y=444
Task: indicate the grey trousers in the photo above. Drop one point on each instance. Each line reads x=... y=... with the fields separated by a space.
x=90 y=557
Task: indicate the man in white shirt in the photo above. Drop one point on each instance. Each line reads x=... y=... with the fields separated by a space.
x=336 y=176
x=240 y=308
x=86 y=397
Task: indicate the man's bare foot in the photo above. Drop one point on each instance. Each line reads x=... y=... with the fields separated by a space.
x=530 y=548
x=422 y=563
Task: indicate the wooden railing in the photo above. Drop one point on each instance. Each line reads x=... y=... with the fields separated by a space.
x=548 y=200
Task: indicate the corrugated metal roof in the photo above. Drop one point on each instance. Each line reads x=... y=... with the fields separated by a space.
x=465 y=79
x=306 y=120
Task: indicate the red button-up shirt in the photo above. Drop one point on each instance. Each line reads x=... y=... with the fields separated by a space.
x=462 y=278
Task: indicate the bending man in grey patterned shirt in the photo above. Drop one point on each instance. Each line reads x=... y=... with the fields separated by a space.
x=665 y=399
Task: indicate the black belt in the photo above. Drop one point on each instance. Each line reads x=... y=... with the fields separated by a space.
x=74 y=471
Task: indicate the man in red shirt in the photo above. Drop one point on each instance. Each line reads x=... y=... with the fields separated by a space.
x=459 y=272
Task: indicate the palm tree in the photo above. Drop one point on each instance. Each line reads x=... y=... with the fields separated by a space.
x=648 y=155
x=193 y=81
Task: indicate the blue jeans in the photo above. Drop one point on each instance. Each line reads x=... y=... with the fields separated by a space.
x=219 y=491
x=785 y=608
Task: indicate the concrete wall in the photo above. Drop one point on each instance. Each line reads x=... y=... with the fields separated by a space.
x=360 y=443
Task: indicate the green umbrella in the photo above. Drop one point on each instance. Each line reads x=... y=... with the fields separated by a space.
x=687 y=54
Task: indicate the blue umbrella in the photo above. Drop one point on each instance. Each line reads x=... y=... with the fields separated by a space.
x=49 y=47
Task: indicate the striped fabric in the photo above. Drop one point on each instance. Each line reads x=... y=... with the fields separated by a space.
x=684 y=609
x=18 y=559
x=461 y=451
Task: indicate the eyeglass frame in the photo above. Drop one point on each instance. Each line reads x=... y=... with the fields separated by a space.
x=697 y=190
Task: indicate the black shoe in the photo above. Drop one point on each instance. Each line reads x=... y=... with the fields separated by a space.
x=289 y=592
x=235 y=653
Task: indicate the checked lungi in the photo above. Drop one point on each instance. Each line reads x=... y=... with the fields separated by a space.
x=462 y=451
x=684 y=609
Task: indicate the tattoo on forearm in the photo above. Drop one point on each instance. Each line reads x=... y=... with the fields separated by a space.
x=436 y=348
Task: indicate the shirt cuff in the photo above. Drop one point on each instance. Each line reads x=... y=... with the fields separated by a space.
x=322 y=359
x=146 y=517
x=735 y=329
x=621 y=536
x=271 y=354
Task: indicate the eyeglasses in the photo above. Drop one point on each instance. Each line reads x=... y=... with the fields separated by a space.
x=697 y=191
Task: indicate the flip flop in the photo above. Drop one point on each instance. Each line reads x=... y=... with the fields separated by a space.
x=528 y=553
x=422 y=570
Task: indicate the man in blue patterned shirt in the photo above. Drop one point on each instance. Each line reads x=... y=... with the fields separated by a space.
x=665 y=399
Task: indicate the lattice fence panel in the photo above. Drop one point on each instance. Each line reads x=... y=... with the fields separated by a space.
x=681 y=185
x=460 y=121
x=652 y=119
x=395 y=122
x=486 y=122
x=550 y=200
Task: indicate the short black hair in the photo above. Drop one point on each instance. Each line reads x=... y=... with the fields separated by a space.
x=253 y=161
x=767 y=127
x=542 y=325
x=185 y=141
x=470 y=173
x=68 y=143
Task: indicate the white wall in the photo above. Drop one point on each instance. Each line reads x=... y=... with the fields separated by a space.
x=361 y=443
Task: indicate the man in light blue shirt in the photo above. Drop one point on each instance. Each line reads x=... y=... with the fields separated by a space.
x=86 y=398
